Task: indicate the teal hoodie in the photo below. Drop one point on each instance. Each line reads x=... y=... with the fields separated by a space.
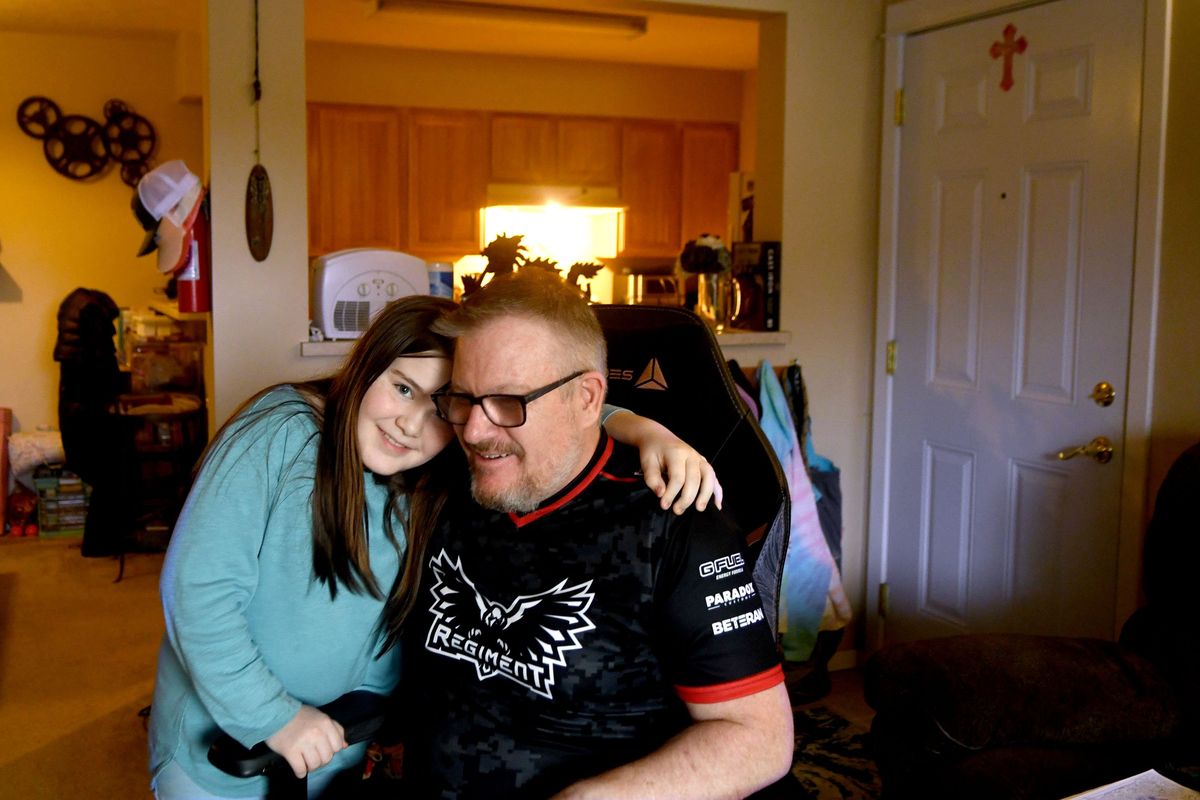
x=250 y=633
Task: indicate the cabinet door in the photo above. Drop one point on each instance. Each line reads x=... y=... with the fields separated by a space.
x=709 y=154
x=448 y=168
x=650 y=187
x=589 y=151
x=523 y=148
x=355 y=177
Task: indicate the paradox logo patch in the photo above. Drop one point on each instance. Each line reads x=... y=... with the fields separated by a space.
x=729 y=596
x=523 y=641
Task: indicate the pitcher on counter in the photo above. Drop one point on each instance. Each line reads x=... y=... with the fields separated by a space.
x=298 y=554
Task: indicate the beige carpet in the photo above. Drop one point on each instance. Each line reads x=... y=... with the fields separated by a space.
x=77 y=656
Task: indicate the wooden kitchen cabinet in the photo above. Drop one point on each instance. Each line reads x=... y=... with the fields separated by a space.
x=523 y=148
x=709 y=152
x=415 y=179
x=356 y=177
x=544 y=149
x=447 y=181
x=650 y=187
x=589 y=151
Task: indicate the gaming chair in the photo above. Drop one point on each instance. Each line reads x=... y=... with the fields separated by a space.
x=665 y=363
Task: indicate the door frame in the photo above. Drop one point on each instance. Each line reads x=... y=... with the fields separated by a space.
x=917 y=16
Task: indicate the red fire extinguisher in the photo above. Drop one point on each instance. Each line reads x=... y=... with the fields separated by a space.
x=194 y=280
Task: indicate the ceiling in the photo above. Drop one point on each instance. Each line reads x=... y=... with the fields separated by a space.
x=678 y=38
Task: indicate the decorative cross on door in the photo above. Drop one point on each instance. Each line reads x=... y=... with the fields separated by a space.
x=1006 y=49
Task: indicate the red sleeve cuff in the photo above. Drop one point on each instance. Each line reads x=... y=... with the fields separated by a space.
x=742 y=687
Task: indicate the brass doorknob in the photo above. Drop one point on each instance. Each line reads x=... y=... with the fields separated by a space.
x=1104 y=394
x=1099 y=449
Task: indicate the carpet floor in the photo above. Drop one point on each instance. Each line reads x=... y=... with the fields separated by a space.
x=77 y=658
x=832 y=760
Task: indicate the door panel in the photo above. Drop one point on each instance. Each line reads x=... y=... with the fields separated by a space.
x=1015 y=259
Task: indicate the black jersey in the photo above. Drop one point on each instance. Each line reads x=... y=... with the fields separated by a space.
x=550 y=646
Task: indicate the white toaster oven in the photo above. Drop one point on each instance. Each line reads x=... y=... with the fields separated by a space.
x=349 y=287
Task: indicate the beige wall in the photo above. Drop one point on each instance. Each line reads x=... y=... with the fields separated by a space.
x=260 y=310
x=57 y=234
x=1176 y=395
x=391 y=76
x=828 y=225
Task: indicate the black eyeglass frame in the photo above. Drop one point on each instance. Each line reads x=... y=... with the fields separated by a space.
x=522 y=399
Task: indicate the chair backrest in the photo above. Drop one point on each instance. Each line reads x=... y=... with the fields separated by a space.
x=665 y=363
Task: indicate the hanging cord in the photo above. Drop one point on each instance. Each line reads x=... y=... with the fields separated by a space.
x=257 y=90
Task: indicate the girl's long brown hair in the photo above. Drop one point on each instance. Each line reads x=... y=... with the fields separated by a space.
x=340 y=546
x=341 y=550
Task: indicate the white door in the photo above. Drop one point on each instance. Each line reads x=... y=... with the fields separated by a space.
x=1017 y=194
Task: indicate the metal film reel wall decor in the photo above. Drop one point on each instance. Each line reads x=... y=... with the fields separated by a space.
x=79 y=147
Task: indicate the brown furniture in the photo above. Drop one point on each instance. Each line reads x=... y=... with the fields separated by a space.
x=1013 y=716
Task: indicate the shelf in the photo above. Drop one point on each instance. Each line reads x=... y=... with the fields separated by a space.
x=169 y=308
x=729 y=339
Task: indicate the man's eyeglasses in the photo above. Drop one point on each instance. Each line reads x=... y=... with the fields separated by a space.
x=504 y=410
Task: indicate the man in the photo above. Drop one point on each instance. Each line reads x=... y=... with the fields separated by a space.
x=566 y=640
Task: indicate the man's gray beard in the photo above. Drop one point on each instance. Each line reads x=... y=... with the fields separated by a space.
x=514 y=501
x=522 y=498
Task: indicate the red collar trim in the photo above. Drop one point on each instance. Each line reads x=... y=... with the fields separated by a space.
x=584 y=481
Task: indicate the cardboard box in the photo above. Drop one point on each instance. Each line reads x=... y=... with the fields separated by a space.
x=756 y=275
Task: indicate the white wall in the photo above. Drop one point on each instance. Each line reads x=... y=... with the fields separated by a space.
x=57 y=234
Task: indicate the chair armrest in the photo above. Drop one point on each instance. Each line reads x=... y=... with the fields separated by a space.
x=360 y=713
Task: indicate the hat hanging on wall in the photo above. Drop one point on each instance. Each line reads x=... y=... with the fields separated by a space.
x=260 y=206
x=166 y=203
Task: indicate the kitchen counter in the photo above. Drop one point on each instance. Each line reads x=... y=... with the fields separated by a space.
x=730 y=342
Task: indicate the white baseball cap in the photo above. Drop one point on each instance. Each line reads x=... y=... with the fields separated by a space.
x=166 y=204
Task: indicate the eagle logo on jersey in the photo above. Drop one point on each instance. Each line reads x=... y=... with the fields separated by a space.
x=523 y=641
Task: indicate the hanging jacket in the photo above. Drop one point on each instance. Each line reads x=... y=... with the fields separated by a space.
x=812 y=596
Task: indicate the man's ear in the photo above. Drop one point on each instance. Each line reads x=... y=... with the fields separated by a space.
x=591 y=392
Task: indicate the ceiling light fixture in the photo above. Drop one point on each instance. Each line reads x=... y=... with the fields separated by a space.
x=623 y=25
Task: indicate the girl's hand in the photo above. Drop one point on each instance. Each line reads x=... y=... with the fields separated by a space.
x=689 y=478
x=308 y=741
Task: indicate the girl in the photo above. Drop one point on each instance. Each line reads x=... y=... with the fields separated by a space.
x=287 y=567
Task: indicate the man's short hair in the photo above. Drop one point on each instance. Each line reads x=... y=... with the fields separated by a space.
x=539 y=295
